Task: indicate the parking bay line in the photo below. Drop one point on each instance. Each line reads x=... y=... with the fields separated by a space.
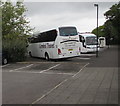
x=21 y=68
x=49 y=68
x=44 y=71
x=80 y=70
x=4 y=65
x=58 y=73
x=32 y=72
x=82 y=58
x=44 y=95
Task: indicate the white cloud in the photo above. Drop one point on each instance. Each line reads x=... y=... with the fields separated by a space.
x=71 y=0
x=44 y=16
x=63 y=0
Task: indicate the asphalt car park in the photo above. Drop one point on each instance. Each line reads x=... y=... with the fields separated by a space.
x=23 y=82
x=75 y=81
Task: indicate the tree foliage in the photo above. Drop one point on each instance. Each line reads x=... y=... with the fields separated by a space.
x=15 y=30
x=100 y=31
x=112 y=25
x=14 y=23
x=111 y=28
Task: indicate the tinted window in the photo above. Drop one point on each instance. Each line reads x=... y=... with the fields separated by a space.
x=68 y=31
x=47 y=36
x=81 y=38
x=44 y=37
x=91 y=40
x=33 y=40
x=101 y=39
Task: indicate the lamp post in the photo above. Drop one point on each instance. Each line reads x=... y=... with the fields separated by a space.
x=96 y=5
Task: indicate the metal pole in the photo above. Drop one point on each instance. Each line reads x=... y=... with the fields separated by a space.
x=97 y=31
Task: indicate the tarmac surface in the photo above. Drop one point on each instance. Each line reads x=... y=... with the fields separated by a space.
x=97 y=83
x=81 y=80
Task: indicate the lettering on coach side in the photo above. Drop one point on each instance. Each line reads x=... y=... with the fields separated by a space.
x=42 y=46
x=50 y=45
x=46 y=45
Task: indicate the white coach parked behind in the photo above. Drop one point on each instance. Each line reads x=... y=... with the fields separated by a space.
x=88 y=42
x=102 y=41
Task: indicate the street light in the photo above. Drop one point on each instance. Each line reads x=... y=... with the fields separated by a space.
x=96 y=5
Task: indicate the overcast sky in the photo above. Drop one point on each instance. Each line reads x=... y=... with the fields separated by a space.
x=48 y=15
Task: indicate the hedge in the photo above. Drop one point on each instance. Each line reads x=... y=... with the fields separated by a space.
x=15 y=49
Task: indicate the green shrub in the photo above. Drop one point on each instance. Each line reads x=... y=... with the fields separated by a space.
x=16 y=49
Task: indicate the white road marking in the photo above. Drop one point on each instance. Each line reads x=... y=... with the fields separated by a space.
x=49 y=68
x=87 y=54
x=43 y=71
x=84 y=58
x=80 y=70
x=57 y=86
x=21 y=68
x=33 y=72
x=49 y=92
x=58 y=73
x=5 y=65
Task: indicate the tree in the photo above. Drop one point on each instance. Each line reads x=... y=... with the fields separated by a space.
x=111 y=28
x=14 y=23
x=15 y=30
x=112 y=25
x=100 y=31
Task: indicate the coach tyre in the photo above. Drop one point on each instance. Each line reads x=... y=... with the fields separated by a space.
x=30 y=54
x=46 y=56
x=5 y=61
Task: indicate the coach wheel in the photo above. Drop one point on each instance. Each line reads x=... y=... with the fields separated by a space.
x=5 y=61
x=30 y=54
x=46 y=56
